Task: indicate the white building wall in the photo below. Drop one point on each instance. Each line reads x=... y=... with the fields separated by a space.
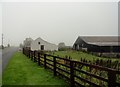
x=47 y=46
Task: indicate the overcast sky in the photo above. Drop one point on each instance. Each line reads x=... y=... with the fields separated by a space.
x=58 y=21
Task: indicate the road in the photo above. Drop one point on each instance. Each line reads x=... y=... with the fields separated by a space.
x=0 y=67
x=6 y=55
x=0 y=61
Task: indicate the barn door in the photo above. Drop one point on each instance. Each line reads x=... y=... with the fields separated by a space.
x=42 y=47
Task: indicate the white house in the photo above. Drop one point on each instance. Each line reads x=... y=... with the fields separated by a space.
x=40 y=44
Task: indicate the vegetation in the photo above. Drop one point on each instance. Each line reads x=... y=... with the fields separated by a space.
x=89 y=58
x=0 y=80
x=77 y=55
x=66 y=71
x=22 y=71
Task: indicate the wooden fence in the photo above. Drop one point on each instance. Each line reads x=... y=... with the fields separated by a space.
x=76 y=73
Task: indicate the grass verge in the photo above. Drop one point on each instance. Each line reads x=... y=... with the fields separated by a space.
x=22 y=71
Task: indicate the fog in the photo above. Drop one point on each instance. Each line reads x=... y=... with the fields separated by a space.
x=57 y=22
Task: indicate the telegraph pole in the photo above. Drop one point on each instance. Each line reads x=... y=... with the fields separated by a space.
x=2 y=42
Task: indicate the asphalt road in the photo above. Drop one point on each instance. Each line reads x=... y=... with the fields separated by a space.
x=0 y=61
x=6 y=55
x=0 y=67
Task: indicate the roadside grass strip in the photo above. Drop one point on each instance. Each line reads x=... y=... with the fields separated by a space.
x=22 y=71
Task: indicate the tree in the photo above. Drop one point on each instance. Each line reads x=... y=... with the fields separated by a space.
x=21 y=45
x=8 y=45
x=61 y=45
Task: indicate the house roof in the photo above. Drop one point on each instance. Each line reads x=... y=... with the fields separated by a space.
x=101 y=40
x=39 y=39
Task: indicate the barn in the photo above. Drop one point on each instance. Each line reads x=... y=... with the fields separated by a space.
x=40 y=44
x=108 y=44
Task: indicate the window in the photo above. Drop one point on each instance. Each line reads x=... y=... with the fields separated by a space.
x=38 y=42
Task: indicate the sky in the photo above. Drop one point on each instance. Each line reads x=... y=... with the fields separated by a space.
x=119 y=19
x=57 y=22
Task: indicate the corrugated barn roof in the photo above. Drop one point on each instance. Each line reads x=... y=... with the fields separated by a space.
x=101 y=40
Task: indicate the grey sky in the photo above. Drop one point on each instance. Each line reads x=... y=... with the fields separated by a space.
x=0 y=23
x=58 y=21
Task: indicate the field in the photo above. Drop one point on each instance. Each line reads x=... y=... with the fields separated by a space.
x=76 y=72
x=89 y=58
x=23 y=71
x=77 y=55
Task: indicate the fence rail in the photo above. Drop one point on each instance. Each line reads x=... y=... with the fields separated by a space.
x=75 y=72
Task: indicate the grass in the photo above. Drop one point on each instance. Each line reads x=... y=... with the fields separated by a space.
x=22 y=71
x=77 y=55
x=0 y=80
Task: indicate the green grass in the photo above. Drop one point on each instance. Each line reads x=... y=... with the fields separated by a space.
x=22 y=71
x=77 y=55
x=0 y=81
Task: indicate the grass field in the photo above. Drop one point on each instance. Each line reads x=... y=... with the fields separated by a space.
x=77 y=55
x=22 y=71
x=0 y=80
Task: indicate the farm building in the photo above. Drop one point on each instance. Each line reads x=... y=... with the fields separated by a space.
x=101 y=44
x=40 y=44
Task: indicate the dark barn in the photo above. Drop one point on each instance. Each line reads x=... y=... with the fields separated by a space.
x=103 y=44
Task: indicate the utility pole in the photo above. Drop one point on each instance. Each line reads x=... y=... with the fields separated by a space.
x=2 y=42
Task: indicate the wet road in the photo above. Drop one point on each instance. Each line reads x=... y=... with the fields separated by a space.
x=0 y=61
x=0 y=67
x=6 y=55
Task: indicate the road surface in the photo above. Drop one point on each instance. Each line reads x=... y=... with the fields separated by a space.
x=0 y=67
x=6 y=55
x=0 y=61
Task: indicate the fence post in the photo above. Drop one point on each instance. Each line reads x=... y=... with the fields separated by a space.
x=45 y=61
x=38 y=58
x=111 y=78
x=54 y=61
x=72 y=73
x=34 y=57
x=29 y=53
x=23 y=51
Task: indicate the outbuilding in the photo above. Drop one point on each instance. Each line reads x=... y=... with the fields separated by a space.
x=102 y=44
x=40 y=44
